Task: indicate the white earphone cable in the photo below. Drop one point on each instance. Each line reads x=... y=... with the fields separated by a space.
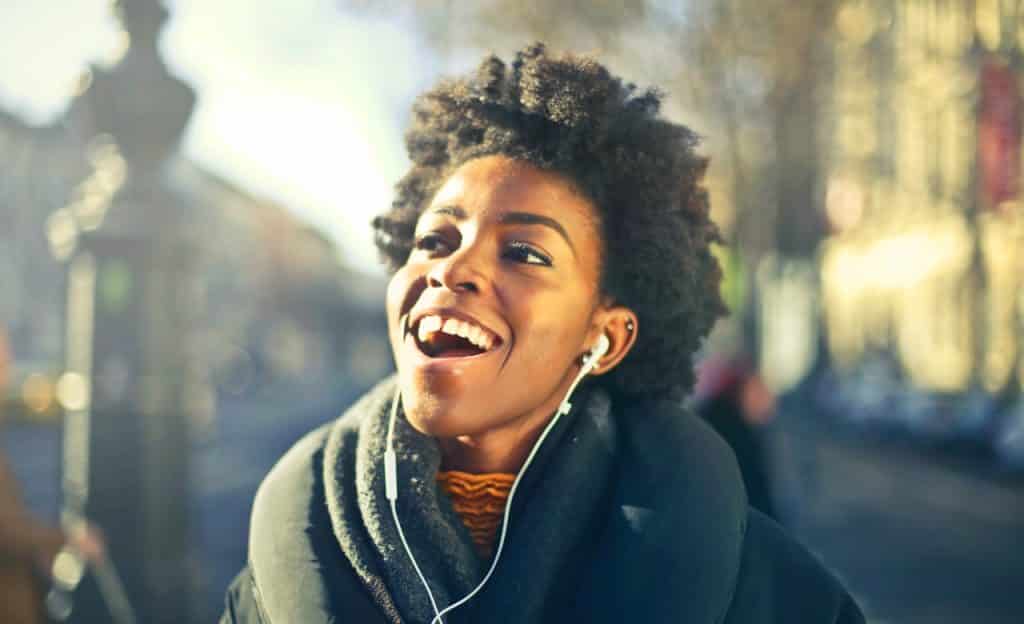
x=391 y=489
x=391 y=485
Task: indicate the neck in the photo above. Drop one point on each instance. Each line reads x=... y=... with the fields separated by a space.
x=494 y=451
x=503 y=449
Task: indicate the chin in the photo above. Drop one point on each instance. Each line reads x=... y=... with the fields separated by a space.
x=433 y=414
x=448 y=417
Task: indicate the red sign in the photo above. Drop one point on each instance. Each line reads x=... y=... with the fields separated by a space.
x=999 y=134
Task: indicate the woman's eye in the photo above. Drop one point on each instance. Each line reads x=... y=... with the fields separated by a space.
x=431 y=243
x=521 y=252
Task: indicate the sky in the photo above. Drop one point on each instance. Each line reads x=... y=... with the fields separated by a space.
x=37 y=81
x=297 y=101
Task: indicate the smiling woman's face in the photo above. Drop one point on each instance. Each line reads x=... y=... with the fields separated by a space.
x=497 y=301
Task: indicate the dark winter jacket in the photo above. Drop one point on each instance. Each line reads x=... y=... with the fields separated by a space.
x=631 y=513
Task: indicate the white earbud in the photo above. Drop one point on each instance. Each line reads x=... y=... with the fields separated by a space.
x=589 y=364
x=600 y=348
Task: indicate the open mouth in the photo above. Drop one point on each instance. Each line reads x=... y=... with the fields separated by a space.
x=438 y=336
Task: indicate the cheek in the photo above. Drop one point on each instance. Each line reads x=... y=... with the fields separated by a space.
x=551 y=347
x=403 y=289
x=397 y=287
x=552 y=330
x=397 y=296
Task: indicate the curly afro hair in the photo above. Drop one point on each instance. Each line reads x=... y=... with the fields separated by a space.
x=568 y=114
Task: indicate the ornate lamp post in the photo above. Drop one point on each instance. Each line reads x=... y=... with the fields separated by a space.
x=131 y=301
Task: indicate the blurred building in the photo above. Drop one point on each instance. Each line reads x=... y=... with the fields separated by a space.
x=279 y=304
x=926 y=259
x=39 y=168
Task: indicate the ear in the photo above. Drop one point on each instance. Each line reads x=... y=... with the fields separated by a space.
x=619 y=323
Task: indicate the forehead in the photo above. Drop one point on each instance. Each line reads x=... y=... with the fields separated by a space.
x=492 y=185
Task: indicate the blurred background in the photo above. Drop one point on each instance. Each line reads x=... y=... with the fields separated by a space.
x=188 y=281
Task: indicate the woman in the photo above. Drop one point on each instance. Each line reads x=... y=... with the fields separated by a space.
x=551 y=231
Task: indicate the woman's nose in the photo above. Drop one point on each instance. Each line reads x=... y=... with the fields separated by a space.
x=461 y=272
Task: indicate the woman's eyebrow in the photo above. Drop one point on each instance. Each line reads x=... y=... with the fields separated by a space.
x=454 y=211
x=513 y=218
x=529 y=218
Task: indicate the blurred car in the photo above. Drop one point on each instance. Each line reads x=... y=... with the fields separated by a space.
x=874 y=397
x=1008 y=441
x=867 y=397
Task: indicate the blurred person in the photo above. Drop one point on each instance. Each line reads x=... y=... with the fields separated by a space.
x=735 y=401
x=27 y=549
x=27 y=545
x=6 y=361
x=552 y=231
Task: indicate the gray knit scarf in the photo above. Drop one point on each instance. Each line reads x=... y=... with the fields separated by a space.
x=551 y=511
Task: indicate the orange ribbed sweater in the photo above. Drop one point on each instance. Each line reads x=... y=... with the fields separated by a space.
x=479 y=499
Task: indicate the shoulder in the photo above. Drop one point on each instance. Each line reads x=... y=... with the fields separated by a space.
x=780 y=581
x=241 y=605
x=286 y=497
x=673 y=462
x=288 y=529
x=680 y=491
x=297 y=571
x=671 y=544
x=297 y=467
x=289 y=493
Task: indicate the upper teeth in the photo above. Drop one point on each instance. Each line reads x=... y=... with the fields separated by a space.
x=455 y=327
